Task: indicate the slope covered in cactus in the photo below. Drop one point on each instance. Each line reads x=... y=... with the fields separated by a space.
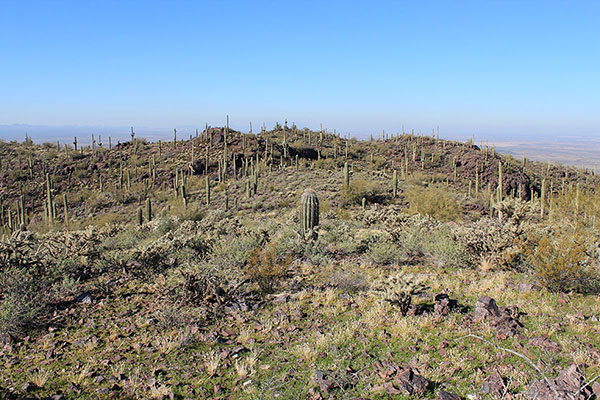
x=202 y=267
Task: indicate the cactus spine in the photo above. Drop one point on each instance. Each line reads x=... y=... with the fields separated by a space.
x=310 y=213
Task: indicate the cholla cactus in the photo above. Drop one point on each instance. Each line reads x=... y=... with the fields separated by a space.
x=398 y=290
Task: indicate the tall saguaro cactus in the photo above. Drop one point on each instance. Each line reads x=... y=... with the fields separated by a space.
x=148 y=210
x=499 y=181
x=49 y=201
x=346 y=176
x=207 y=191
x=310 y=213
x=66 y=207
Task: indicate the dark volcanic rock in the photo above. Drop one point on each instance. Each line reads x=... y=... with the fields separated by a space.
x=485 y=308
x=410 y=382
x=442 y=395
x=504 y=320
x=494 y=385
x=566 y=386
x=307 y=153
x=443 y=304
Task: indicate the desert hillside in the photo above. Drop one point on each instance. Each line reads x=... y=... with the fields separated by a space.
x=295 y=264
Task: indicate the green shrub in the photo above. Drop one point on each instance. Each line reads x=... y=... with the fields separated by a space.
x=398 y=290
x=433 y=202
x=231 y=252
x=562 y=263
x=385 y=253
x=441 y=246
x=24 y=285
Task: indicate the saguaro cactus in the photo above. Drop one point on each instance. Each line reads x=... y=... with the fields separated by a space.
x=346 y=175
x=148 y=210
x=66 y=207
x=207 y=191
x=543 y=198
x=499 y=182
x=49 y=200
x=310 y=213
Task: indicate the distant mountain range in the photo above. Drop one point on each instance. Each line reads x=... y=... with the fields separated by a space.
x=66 y=133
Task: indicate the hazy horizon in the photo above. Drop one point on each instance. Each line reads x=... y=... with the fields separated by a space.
x=575 y=150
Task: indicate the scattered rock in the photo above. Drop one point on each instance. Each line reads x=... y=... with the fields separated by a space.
x=544 y=343
x=443 y=304
x=494 y=385
x=596 y=389
x=28 y=387
x=411 y=383
x=506 y=326
x=326 y=381
x=442 y=395
x=527 y=287
x=391 y=389
x=84 y=298
x=485 y=308
x=503 y=319
x=566 y=386
x=444 y=344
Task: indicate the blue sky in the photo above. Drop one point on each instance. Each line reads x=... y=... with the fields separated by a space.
x=485 y=67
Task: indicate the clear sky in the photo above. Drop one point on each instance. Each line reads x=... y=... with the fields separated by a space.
x=483 y=67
